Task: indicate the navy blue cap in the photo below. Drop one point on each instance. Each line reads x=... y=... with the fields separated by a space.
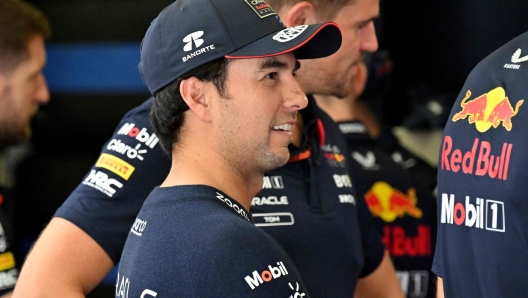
x=190 y=33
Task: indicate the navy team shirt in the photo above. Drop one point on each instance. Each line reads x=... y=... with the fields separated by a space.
x=309 y=205
x=482 y=246
x=9 y=254
x=398 y=188
x=195 y=241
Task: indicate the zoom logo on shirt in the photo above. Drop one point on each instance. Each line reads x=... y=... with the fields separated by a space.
x=257 y=279
x=488 y=214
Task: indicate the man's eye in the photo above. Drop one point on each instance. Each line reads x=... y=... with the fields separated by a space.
x=271 y=75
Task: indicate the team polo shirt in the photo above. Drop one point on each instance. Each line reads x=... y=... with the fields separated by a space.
x=195 y=241
x=482 y=246
x=398 y=188
x=319 y=230
x=311 y=207
x=9 y=257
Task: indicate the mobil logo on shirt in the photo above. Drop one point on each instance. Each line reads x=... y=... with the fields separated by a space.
x=141 y=135
x=479 y=214
x=273 y=272
x=482 y=159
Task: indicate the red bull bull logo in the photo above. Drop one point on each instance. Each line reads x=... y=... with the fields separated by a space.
x=489 y=109
x=389 y=203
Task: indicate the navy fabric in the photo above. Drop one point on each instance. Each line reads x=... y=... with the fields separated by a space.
x=187 y=241
x=482 y=241
x=92 y=206
x=310 y=207
x=9 y=256
x=325 y=240
x=398 y=188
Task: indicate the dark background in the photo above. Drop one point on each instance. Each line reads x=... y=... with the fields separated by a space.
x=92 y=73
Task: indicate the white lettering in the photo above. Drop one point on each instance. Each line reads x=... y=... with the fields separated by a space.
x=255 y=281
x=447 y=209
x=347 y=199
x=272 y=219
x=101 y=182
x=122 y=289
x=272 y=200
x=198 y=52
x=148 y=292
x=342 y=181
x=139 y=226
x=8 y=278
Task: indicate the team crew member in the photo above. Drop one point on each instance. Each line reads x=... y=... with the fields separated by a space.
x=483 y=227
x=397 y=186
x=101 y=210
x=23 y=30
x=230 y=122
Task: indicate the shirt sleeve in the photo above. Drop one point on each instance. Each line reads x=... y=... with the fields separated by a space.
x=373 y=247
x=131 y=164
x=9 y=257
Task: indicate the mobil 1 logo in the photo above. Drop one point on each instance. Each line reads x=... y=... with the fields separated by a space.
x=479 y=214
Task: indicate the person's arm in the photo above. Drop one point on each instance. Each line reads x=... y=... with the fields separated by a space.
x=439 y=288
x=383 y=282
x=65 y=262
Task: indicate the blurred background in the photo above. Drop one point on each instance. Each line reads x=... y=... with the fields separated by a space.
x=427 y=49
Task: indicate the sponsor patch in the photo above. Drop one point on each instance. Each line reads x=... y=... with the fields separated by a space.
x=261 y=8
x=388 y=203
x=483 y=214
x=7 y=261
x=273 y=219
x=116 y=165
x=256 y=279
x=489 y=109
x=102 y=182
x=8 y=278
x=289 y=34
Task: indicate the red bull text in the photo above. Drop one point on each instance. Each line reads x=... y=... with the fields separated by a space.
x=494 y=166
x=400 y=244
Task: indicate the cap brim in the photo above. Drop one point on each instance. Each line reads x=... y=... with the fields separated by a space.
x=315 y=41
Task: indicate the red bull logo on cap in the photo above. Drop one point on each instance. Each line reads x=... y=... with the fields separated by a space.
x=389 y=203
x=489 y=109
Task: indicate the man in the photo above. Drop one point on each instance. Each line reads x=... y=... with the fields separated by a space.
x=22 y=57
x=397 y=186
x=224 y=122
x=23 y=30
x=481 y=247
x=308 y=205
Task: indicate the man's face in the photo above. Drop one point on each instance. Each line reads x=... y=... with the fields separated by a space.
x=21 y=93
x=256 y=118
x=333 y=75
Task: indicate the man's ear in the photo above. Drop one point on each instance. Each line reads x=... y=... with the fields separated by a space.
x=193 y=93
x=301 y=13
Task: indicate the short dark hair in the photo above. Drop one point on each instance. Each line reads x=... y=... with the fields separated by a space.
x=167 y=112
x=326 y=9
x=19 y=23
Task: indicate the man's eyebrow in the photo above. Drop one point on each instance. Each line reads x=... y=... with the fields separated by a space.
x=274 y=63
